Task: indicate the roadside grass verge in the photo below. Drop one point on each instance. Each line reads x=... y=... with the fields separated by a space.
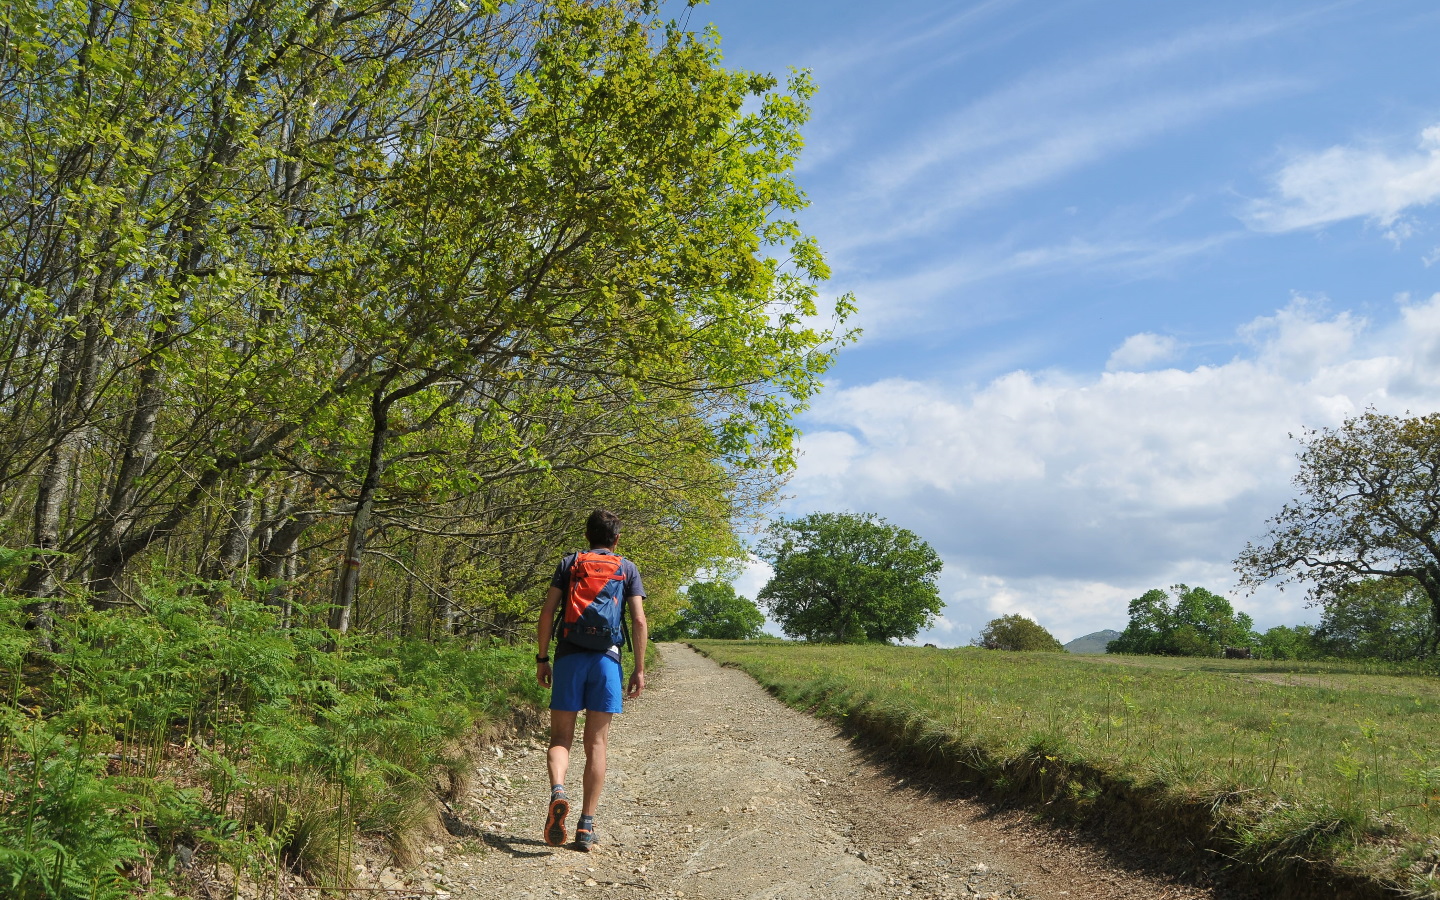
x=1324 y=772
x=193 y=743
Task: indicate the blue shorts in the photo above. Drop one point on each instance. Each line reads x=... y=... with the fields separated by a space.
x=589 y=681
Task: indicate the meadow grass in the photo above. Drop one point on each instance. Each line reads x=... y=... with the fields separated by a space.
x=1333 y=765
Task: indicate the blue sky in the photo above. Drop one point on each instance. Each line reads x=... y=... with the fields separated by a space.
x=1109 y=256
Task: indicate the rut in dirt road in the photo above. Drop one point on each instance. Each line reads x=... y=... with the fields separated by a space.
x=717 y=790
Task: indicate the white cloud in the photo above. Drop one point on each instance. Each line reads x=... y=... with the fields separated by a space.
x=1062 y=496
x=1142 y=350
x=754 y=577
x=1342 y=183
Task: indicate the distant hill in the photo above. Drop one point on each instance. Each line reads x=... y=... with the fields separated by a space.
x=1092 y=643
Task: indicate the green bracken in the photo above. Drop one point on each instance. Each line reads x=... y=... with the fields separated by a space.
x=199 y=731
x=1273 y=763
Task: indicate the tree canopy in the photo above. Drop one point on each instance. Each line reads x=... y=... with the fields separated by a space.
x=1290 y=642
x=1378 y=618
x=365 y=308
x=1195 y=622
x=1017 y=633
x=1369 y=506
x=712 y=610
x=848 y=578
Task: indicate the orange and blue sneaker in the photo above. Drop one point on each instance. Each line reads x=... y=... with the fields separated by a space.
x=555 y=817
x=585 y=835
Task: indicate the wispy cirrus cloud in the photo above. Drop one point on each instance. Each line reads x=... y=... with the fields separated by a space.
x=1003 y=116
x=1345 y=182
x=904 y=305
x=1045 y=125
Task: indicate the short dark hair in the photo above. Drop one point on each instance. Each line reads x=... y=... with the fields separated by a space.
x=602 y=529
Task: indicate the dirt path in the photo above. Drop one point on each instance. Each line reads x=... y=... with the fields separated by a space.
x=717 y=790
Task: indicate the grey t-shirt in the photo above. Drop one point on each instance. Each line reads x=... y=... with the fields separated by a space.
x=632 y=588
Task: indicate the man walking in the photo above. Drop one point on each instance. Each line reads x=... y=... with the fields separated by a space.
x=591 y=590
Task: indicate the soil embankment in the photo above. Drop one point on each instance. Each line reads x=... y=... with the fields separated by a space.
x=717 y=790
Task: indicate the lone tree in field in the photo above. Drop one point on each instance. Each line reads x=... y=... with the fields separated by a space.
x=1369 y=506
x=849 y=579
x=715 y=611
x=1016 y=632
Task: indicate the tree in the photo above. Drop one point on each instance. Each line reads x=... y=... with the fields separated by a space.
x=1150 y=623
x=1197 y=623
x=359 y=301
x=1369 y=507
x=1287 y=642
x=714 y=611
x=1016 y=632
x=847 y=578
x=1381 y=618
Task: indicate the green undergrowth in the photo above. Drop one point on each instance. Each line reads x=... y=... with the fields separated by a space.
x=1325 y=772
x=196 y=730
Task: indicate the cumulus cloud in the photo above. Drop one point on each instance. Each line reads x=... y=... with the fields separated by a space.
x=1341 y=183
x=1062 y=496
x=753 y=577
x=1142 y=350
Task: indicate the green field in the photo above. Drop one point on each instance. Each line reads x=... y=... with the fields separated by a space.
x=1331 y=766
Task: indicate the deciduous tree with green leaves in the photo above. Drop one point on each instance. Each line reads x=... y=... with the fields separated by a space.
x=848 y=578
x=713 y=611
x=1377 y=618
x=1196 y=623
x=295 y=290
x=1369 y=507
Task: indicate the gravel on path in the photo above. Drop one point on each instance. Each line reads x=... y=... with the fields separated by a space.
x=716 y=791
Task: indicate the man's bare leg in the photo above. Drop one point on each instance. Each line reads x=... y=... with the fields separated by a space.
x=562 y=735
x=597 y=733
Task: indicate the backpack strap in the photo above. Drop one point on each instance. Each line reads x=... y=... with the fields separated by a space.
x=557 y=621
x=624 y=629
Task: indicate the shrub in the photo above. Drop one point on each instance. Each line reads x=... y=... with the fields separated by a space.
x=1017 y=633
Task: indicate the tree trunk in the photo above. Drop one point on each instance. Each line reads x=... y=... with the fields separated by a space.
x=1430 y=581
x=71 y=397
x=120 y=513
x=349 y=580
x=405 y=617
x=278 y=554
x=444 y=600
x=235 y=542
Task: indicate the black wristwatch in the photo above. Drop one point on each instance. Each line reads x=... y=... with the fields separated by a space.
x=540 y=659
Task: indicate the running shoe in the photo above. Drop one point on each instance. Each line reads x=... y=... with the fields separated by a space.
x=555 y=819
x=586 y=836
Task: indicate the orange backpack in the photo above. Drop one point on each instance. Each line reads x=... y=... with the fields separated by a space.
x=593 y=612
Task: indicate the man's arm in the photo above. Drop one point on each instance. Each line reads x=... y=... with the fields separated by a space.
x=542 y=634
x=640 y=636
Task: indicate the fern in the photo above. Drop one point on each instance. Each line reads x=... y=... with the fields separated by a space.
x=294 y=745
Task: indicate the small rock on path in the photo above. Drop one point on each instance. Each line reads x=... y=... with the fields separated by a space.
x=717 y=791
